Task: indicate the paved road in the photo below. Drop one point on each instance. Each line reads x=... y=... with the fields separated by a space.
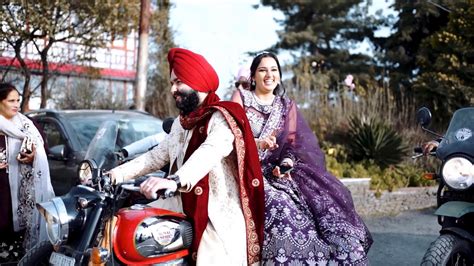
x=402 y=239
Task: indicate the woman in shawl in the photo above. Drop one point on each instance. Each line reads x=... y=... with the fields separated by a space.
x=24 y=178
x=310 y=218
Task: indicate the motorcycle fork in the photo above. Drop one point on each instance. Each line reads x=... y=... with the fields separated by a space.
x=91 y=230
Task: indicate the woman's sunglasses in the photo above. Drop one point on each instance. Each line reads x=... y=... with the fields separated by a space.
x=245 y=84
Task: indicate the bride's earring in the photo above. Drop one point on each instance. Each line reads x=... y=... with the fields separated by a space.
x=253 y=83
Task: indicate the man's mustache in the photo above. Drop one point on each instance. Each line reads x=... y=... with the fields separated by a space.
x=177 y=94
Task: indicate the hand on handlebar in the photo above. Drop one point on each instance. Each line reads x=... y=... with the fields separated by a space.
x=429 y=146
x=121 y=155
x=153 y=184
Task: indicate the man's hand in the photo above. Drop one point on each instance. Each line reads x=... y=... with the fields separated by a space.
x=154 y=184
x=429 y=146
x=27 y=158
x=121 y=155
x=3 y=165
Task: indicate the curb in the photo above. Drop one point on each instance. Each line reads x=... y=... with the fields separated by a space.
x=367 y=204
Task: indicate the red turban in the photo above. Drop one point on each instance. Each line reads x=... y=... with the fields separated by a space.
x=193 y=70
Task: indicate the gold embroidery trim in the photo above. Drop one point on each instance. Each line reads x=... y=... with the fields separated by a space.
x=253 y=246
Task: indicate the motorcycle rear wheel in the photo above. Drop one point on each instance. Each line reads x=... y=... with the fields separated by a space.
x=38 y=255
x=448 y=250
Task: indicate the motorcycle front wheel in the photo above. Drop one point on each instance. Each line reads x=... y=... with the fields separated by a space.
x=448 y=250
x=38 y=255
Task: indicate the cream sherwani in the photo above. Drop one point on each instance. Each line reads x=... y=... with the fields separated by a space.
x=224 y=239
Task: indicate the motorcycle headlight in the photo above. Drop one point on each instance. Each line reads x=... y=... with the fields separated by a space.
x=458 y=173
x=57 y=220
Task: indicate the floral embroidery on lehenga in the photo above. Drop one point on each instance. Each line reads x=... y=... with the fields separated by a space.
x=310 y=218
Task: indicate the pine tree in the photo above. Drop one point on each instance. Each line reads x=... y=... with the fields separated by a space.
x=429 y=55
x=446 y=63
x=323 y=33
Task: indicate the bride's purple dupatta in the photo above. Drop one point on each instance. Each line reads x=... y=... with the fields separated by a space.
x=329 y=201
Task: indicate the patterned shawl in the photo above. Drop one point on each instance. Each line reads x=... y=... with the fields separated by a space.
x=29 y=184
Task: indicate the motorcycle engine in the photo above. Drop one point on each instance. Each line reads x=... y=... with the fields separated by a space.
x=146 y=233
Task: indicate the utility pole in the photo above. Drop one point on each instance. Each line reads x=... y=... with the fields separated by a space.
x=142 y=62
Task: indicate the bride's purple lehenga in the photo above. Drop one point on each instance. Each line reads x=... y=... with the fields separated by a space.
x=310 y=219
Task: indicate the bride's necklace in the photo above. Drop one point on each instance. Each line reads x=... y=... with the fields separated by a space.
x=262 y=106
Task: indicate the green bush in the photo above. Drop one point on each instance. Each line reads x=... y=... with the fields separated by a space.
x=404 y=175
x=408 y=174
x=374 y=140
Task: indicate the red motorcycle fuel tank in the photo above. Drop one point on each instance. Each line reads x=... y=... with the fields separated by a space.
x=146 y=235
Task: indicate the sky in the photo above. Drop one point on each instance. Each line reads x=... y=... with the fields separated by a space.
x=223 y=31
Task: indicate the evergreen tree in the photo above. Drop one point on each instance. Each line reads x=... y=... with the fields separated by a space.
x=445 y=60
x=324 y=32
x=416 y=21
x=429 y=55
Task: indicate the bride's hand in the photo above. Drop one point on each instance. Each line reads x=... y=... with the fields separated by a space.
x=268 y=143
x=287 y=163
x=3 y=165
x=276 y=172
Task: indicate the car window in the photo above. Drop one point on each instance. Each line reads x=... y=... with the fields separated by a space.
x=52 y=133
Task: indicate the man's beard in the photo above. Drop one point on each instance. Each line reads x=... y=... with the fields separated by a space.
x=189 y=101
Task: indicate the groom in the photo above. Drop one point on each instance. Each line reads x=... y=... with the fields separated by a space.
x=214 y=165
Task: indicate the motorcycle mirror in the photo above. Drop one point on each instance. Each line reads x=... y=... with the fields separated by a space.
x=423 y=116
x=167 y=123
x=87 y=171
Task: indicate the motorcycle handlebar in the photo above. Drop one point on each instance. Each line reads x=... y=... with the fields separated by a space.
x=418 y=150
x=134 y=185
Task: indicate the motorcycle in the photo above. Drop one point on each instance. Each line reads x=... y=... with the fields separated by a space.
x=455 y=194
x=91 y=224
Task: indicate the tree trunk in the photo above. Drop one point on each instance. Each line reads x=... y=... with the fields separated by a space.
x=45 y=75
x=25 y=101
x=141 y=78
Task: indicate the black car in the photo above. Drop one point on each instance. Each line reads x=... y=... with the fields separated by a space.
x=68 y=133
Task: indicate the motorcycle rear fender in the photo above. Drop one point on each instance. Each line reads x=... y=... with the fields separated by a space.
x=455 y=209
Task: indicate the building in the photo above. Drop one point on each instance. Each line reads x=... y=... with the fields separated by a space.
x=114 y=68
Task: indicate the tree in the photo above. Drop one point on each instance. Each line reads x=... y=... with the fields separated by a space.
x=445 y=60
x=13 y=32
x=85 y=94
x=89 y=24
x=142 y=61
x=429 y=55
x=159 y=100
x=416 y=21
x=326 y=31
